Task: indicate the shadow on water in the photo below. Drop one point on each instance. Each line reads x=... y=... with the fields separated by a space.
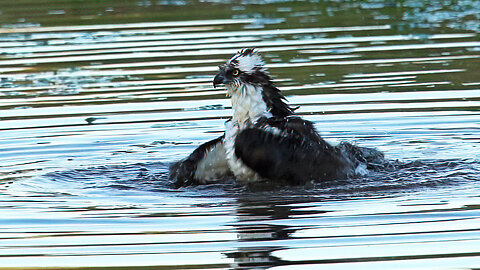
x=268 y=219
x=396 y=177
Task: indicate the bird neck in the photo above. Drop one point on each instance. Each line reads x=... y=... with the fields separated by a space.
x=248 y=104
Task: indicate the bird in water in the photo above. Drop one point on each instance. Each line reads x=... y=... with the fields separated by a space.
x=265 y=140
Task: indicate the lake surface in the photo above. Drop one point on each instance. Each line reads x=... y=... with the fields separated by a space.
x=98 y=97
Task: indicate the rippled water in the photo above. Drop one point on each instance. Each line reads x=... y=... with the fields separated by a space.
x=97 y=98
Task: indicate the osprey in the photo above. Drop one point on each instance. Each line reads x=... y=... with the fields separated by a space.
x=265 y=139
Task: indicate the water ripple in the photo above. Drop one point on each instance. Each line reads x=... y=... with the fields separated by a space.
x=97 y=100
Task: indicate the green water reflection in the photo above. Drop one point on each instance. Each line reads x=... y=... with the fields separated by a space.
x=97 y=97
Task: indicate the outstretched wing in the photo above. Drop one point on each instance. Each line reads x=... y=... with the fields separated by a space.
x=206 y=164
x=296 y=154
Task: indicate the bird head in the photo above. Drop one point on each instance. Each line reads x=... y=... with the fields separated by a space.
x=246 y=70
x=245 y=67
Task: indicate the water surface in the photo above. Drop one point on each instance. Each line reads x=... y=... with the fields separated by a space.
x=98 y=98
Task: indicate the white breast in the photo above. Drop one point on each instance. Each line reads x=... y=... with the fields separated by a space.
x=238 y=168
x=248 y=106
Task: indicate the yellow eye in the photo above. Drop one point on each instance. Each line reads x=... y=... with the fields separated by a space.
x=235 y=72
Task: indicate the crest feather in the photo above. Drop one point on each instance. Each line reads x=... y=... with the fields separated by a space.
x=247 y=60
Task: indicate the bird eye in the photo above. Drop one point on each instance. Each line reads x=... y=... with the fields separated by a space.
x=235 y=72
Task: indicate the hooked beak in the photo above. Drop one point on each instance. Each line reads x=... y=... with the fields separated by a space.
x=219 y=79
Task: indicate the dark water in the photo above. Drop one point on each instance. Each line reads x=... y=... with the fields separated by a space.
x=98 y=97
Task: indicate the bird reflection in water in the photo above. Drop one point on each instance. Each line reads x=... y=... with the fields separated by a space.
x=254 y=224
